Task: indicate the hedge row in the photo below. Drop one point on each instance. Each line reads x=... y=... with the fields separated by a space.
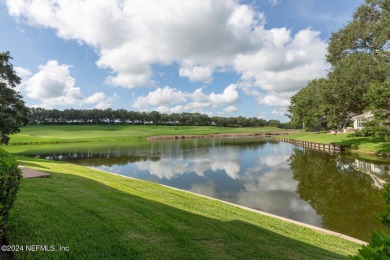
x=10 y=176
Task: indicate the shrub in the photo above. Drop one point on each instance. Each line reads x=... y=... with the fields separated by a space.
x=377 y=129
x=10 y=176
x=355 y=146
x=378 y=248
x=359 y=133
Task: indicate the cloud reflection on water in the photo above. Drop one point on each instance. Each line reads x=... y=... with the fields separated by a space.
x=265 y=180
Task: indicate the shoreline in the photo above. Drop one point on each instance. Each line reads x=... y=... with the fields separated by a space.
x=175 y=137
x=333 y=147
x=276 y=135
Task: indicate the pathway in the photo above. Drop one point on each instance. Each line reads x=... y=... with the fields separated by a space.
x=30 y=173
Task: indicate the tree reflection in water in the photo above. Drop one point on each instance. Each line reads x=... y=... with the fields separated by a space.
x=345 y=198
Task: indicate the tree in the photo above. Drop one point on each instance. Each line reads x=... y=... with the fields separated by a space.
x=379 y=96
x=155 y=117
x=360 y=57
x=13 y=112
x=347 y=84
x=368 y=32
x=273 y=123
x=306 y=107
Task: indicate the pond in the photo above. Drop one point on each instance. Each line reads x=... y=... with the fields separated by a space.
x=335 y=192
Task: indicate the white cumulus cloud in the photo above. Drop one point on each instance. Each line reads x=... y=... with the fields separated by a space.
x=95 y=98
x=171 y=100
x=100 y=100
x=22 y=72
x=197 y=73
x=53 y=85
x=274 y=100
x=287 y=64
x=229 y=96
x=160 y=97
x=201 y=37
x=231 y=109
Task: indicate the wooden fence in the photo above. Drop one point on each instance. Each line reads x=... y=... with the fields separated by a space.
x=331 y=148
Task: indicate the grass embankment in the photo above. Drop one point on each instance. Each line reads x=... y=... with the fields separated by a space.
x=366 y=145
x=95 y=133
x=99 y=216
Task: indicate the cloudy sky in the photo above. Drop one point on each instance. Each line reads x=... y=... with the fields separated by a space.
x=219 y=57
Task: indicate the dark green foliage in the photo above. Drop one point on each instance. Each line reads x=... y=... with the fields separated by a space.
x=368 y=32
x=13 y=112
x=122 y=116
x=378 y=248
x=375 y=128
x=379 y=96
x=9 y=181
x=307 y=107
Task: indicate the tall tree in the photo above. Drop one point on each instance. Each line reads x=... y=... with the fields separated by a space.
x=347 y=84
x=360 y=57
x=13 y=112
x=306 y=107
x=368 y=32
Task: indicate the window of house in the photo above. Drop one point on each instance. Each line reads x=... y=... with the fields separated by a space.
x=360 y=122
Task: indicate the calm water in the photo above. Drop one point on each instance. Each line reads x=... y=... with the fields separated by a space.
x=280 y=178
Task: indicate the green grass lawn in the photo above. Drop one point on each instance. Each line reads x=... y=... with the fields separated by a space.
x=79 y=133
x=361 y=144
x=102 y=216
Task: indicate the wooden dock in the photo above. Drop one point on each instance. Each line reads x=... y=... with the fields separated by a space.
x=330 y=148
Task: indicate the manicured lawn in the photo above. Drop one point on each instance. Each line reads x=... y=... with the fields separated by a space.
x=358 y=144
x=102 y=216
x=78 y=133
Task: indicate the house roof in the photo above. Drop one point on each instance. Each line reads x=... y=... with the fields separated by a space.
x=365 y=115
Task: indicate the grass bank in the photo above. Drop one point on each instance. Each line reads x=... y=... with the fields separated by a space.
x=96 y=215
x=96 y=133
x=364 y=145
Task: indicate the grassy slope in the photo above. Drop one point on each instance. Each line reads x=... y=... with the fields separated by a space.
x=77 y=133
x=365 y=144
x=99 y=216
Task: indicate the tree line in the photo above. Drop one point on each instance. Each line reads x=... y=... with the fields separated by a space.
x=122 y=116
x=359 y=78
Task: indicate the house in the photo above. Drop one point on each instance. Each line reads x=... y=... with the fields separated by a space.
x=359 y=120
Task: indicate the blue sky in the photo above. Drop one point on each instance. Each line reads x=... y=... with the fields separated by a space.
x=219 y=57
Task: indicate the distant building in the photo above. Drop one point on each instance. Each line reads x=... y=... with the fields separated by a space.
x=360 y=120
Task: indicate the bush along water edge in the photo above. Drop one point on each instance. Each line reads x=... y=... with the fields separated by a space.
x=10 y=176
